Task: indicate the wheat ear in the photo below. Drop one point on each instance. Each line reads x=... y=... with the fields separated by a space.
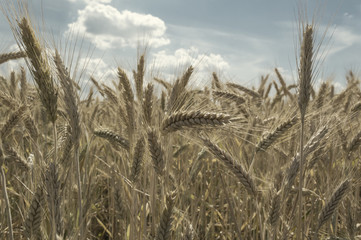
x=305 y=87
x=54 y=198
x=70 y=98
x=139 y=77
x=334 y=201
x=164 y=83
x=112 y=137
x=194 y=119
x=165 y=225
x=229 y=96
x=128 y=97
x=14 y=119
x=244 y=89
x=156 y=151
x=137 y=159
x=178 y=89
x=148 y=103
x=40 y=69
x=274 y=214
x=236 y=168
x=216 y=83
x=310 y=146
x=268 y=140
x=6 y=196
x=33 y=220
x=4 y=57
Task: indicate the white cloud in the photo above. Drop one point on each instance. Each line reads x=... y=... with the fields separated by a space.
x=108 y=28
x=191 y=56
x=91 y=1
x=348 y=15
x=97 y=68
x=170 y=65
x=342 y=38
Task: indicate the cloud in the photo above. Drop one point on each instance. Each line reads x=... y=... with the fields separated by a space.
x=345 y=37
x=91 y=1
x=108 y=28
x=97 y=68
x=348 y=15
x=170 y=65
x=190 y=56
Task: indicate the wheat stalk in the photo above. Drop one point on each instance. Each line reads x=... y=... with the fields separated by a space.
x=304 y=88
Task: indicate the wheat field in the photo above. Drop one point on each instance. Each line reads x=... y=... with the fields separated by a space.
x=147 y=158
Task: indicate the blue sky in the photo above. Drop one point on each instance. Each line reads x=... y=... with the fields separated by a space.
x=240 y=40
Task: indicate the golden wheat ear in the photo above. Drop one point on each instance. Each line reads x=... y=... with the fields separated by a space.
x=40 y=68
x=4 y=57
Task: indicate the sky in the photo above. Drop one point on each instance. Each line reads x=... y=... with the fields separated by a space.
x=240 y=40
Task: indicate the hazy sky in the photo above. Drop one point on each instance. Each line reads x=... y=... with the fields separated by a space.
x=241 y=40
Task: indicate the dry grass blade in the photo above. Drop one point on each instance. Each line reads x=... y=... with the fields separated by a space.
x=332 y=204
x=4 y=57
x=194 y=119
x=268 y=140
x=236 y=168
